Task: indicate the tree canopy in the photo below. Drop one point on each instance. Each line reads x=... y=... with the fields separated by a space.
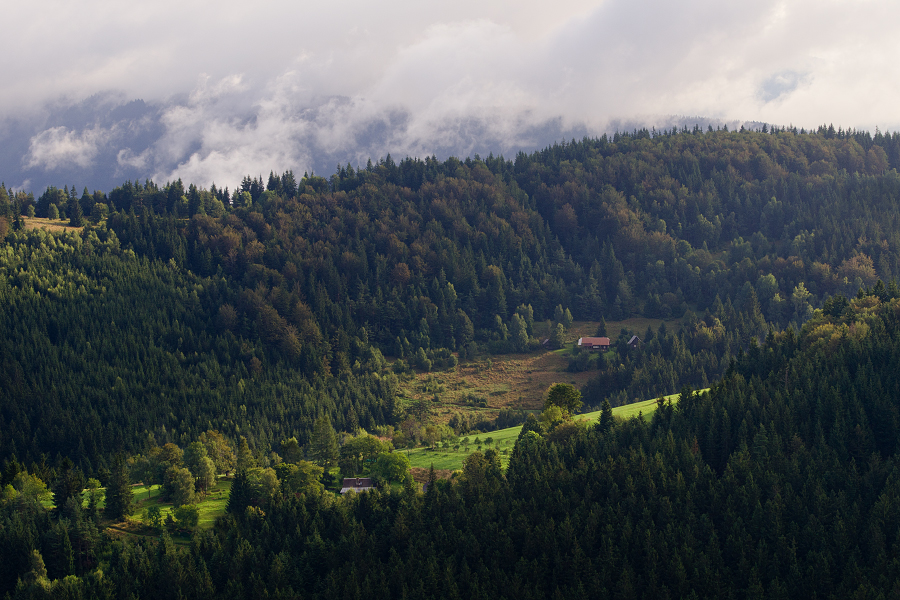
x=564 y=396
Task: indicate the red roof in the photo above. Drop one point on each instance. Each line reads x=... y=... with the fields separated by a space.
x=593 y=341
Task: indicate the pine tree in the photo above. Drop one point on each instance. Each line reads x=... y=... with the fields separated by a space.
x=430 y=492
x=244 y=459
x=69 y=484
x=239 y=497
x=324 y=442
x=606 y=417
x=76 y=217
x=519 y=333
x=94 y=497
x=119 y=496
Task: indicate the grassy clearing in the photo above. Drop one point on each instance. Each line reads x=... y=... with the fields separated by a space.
x=510 y=381
x=627 y=411
x=49 y=224
x=505 y=439
x=211 y=507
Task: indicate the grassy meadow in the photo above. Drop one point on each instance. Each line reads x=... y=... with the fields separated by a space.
x=505 y=439
x=55 y=225
x=510 y=381
x=211 y=507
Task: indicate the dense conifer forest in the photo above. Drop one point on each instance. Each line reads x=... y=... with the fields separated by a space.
x=182 y=325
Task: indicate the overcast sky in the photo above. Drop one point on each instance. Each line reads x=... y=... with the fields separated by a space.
x=231 y=88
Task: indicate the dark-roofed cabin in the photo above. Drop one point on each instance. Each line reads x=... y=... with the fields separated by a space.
x=357 y=484
x=594 y=343
x=634 y=342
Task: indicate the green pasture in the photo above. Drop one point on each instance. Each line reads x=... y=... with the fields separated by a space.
x=211 y=507
x=645 y=407
x=453 y=459
x=503 y=442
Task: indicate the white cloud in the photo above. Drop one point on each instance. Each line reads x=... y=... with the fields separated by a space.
x=58 y=147
x=280 y=84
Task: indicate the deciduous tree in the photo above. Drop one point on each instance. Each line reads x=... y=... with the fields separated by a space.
x=565 y=396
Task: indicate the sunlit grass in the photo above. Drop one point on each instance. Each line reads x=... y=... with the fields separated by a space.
x=505 y=439
x=211 y=506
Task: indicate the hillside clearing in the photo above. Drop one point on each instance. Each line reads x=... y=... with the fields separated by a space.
x=487 y=385
x=49 y=224
x=503 y=440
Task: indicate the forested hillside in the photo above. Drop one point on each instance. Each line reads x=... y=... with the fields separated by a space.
x=781 y=482
x=179 y=309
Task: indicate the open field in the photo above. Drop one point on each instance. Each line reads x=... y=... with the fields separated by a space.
x=645 y=407
x=505 y=439
x=48 y=224
x=211 y=507
x=511 y=381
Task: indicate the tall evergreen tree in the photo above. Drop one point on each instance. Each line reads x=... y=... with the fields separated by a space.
x=119 y=496
x=244 y=460
x=76 y=215
x=239 y=498
x=324 y=445
x=69 y=484
x=605 y=422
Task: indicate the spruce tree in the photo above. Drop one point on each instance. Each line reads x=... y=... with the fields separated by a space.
x=606 y=417
x=324 y=442
x=69 y=484
x=239 y=497
x=62 y=552
x=245 y=458
x=76 y=217
x=94 y=497
x=119 y=496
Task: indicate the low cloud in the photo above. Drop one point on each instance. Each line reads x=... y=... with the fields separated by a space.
x=779 y=85
x=410 y=79
x=60 y=147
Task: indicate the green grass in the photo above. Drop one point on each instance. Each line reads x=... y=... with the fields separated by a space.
x=645 y=407
x=422 y=458
x=504 y=439
x=211 y=507
x=450 y=459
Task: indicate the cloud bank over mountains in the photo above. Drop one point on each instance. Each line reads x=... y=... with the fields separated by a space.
x=228 y=89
